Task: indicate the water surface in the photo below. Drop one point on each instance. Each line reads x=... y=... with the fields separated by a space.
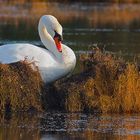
x=73 y=126
x=115 y=27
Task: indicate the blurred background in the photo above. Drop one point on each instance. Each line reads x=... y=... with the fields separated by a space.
x=110 y=24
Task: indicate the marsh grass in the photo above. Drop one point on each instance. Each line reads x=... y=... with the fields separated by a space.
x=116 y=82
x=20 y=87
x=106 y=84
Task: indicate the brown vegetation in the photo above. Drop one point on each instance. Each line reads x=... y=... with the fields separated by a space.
x=106 y=84
x=20 y=87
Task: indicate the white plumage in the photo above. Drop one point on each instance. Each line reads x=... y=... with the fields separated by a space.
x=52 y=64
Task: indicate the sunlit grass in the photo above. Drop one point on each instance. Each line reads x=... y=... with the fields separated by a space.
x=20 y=87
x=107 y=84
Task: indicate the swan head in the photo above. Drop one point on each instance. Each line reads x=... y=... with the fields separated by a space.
x=54 y=29
x=58 y=39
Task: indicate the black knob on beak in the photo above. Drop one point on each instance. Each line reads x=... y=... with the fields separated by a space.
x=60 y=38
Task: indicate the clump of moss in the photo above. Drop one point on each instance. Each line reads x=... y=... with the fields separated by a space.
x=20 y=87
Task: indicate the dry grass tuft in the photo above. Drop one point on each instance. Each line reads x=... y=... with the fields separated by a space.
x=116 y=83
x=20 y=87
x=128 y=90
x=107 y=84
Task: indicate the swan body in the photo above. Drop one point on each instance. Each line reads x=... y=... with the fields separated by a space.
x=53 y=63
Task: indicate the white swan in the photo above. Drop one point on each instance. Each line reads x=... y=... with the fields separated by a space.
x=55 y=62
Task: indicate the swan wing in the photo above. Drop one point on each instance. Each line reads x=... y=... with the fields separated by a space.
x=16 y=52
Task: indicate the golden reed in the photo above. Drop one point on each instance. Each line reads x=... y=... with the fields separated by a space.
x=20 y=87
x=106 y=84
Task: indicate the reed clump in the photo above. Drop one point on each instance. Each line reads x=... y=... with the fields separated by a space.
x=107 y=84
x=20 y=87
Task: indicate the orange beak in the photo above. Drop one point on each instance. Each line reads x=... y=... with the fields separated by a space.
x=58 y=44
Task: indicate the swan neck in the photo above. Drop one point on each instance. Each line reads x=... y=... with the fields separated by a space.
x=47 y=40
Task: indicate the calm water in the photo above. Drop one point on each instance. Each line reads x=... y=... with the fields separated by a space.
x=62 y=126
x=113 y=27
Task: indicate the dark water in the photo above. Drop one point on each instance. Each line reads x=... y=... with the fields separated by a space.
x=64 y=126
x=113 y=27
